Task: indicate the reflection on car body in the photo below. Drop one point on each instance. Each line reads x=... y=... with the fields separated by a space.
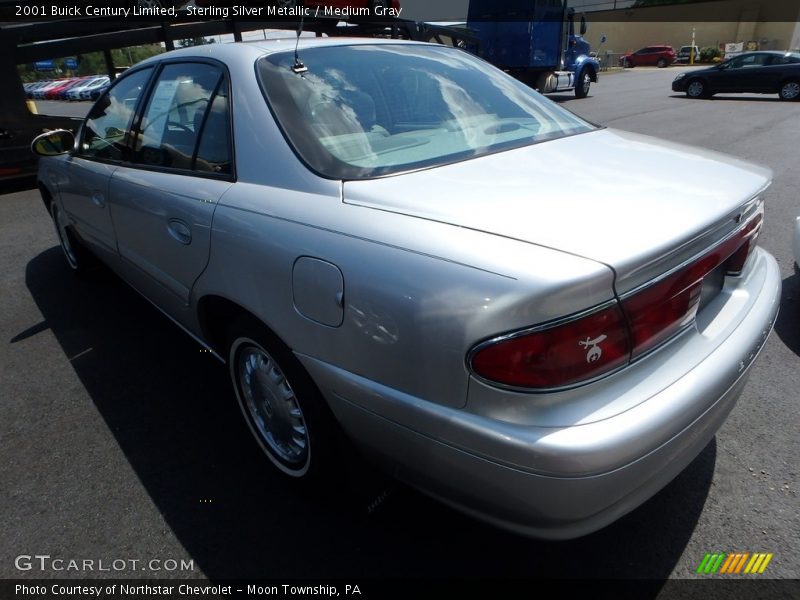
x=370 y=235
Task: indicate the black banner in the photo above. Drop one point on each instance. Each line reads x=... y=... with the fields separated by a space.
x=179 y=11
x=406 y=589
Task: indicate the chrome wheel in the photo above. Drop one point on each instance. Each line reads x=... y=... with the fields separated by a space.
x=695 y=89
x=582 y=89
x=60 y=222
x=271 y=407
x=790 y=90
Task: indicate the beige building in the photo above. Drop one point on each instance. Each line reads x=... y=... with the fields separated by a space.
x=763 y=21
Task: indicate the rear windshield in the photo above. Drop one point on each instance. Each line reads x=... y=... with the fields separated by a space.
x=364 y=111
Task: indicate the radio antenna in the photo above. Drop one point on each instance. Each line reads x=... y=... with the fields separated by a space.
x=298 y=66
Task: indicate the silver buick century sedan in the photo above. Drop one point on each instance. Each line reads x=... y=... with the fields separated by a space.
x=397 y=241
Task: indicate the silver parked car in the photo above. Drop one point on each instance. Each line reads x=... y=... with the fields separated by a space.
x=390 y=239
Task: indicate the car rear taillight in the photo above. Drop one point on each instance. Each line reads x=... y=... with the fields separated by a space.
x=658 y=310
x=749 y=234
x=663 y=308
x=593 y=344
x=556 y=355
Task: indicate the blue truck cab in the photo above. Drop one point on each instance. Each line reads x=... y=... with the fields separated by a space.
x=535 y=41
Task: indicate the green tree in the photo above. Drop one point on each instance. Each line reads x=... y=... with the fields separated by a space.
x=196 y=41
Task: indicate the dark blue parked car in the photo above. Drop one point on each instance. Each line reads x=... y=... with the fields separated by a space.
x=752 y=72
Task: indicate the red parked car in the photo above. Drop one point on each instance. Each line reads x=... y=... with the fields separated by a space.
x=54 y=92
x=658 y=56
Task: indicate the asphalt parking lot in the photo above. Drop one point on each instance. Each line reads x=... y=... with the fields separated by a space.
x=119 y=438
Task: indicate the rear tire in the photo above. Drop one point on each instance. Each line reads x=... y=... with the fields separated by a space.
x=282 y=406
x=790 y=90
x=662 y=62
x=79 y=259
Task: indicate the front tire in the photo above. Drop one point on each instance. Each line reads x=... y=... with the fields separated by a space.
x=582 y=88
x=282 y=407
x=790 y=90
x=696 y=89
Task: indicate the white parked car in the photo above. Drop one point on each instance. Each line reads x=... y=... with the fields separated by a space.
x=796 y=243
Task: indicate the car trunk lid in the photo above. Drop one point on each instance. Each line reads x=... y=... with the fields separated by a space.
x=639 y=205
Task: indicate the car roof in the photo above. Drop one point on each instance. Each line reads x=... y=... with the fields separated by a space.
x=772 y=52
x=250 y=51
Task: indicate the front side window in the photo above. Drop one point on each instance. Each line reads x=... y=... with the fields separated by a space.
x=364 y=111
x=105 y=133
x=749 y=60
x=175 y=115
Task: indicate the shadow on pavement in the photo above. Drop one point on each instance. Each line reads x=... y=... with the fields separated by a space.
x=788 y=324
x=169 y=407
x=18 y=185
x=731 y=98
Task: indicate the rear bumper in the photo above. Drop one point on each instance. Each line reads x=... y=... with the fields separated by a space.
x=566 y=481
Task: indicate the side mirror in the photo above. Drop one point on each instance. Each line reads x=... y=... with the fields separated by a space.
x=584 y=27
x=53 y=143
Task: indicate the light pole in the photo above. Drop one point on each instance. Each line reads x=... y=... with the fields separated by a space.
x=691 y=50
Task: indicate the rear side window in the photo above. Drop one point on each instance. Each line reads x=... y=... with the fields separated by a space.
x=105 y=131
x=787 y=59
x=214 y=148
x=179 y=107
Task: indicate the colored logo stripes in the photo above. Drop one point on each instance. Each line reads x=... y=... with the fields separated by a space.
x=734 y=563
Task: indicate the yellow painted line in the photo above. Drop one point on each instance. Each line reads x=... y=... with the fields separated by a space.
x=753 y=561
x=766 y=562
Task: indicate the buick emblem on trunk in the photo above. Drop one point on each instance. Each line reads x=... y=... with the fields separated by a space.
x=594 y=351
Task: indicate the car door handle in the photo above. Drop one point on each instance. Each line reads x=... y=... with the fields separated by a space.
x=99 y=200
x=179 y=231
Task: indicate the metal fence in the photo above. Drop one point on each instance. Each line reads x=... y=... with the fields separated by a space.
x=608 y=58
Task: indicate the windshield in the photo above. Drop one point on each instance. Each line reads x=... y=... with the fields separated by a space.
x=364 y=111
